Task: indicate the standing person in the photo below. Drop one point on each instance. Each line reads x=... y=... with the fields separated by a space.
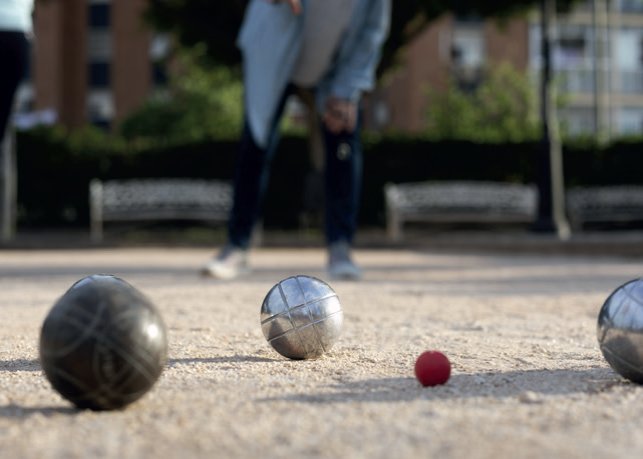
x=15 y=27
x=332 y=47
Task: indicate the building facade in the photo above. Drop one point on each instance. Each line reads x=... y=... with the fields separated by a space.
x=92 y=61
x=446 y=48
x=597 y=59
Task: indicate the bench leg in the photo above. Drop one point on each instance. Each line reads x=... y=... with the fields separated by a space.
x=96 y=231
x=393 y=225
x=256 y=240
x=96 y=210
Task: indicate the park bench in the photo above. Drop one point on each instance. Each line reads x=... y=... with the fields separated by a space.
x=157 y=199
x=457 y=202
x=604 y=204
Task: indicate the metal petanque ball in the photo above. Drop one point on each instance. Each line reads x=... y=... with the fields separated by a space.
x=620 y=330
x=103 y=344
x=301 y=317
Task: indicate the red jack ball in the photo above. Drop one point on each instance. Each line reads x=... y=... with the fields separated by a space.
x=432 y=368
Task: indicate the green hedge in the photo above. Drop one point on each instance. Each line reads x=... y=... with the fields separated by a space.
x=54 y=172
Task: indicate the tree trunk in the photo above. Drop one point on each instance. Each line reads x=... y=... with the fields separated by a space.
x=600 y=25
x=551 y=205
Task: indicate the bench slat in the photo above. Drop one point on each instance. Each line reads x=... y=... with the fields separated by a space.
x=157 y=199
x=608 y=203
x=458 y=202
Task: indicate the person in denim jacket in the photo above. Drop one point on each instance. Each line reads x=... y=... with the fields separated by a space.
x=15 y=27
x=332 y=47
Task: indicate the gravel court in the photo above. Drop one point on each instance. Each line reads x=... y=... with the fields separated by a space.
x=528 y=379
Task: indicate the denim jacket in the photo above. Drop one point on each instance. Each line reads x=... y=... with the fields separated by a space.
x=15 y=15
x=270 y=40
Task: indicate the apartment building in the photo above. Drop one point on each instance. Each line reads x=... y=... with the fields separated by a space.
x=597 y=58
x=93 y=61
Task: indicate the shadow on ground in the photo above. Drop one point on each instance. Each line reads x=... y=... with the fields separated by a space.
x=21 y=412
x=20 y=365
x=532 y=385
x=217 y=360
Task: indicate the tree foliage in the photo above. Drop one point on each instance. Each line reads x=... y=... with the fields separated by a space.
x=211 y=24
x=503 y=108
x=215 y=24
x=190 y=109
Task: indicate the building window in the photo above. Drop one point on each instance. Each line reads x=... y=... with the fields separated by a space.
x=467 y=49
x=631 y=6
x=99 y=45
x=100 y=107
x=630 y=121
x=572 y=48
x=99 y=74
x=99 y=15
x=159 y=51
x=577 y=121
x=159 y=74
x=468 y=53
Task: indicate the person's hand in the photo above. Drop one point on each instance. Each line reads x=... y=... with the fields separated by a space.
x=340 y=115
x=295 y=5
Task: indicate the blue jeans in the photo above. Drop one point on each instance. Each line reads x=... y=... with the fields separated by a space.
x=343 y=182
x=14 y=49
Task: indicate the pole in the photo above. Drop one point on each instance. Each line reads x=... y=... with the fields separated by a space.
x=551 y=189
x=601 y=69
x=8 y=186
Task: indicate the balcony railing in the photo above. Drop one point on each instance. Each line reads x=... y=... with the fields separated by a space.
x=624 y=7
x=631 y=6
x=581 y=81
x=631 y=82
x=576 y=81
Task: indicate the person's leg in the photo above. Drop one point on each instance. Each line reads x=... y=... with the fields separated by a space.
x=343 y=180
x=252 y=171
x=13 y=59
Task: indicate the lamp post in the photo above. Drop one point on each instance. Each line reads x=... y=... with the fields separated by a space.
x=8 y=186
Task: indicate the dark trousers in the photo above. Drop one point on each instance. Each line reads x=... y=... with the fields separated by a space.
x=13 y=63
x=343 y=181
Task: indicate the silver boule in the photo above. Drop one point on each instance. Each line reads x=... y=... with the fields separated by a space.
x=301 y=317
x=620 y=330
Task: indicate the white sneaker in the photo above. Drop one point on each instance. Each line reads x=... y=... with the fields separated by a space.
x=340 y=265
x=231 y=262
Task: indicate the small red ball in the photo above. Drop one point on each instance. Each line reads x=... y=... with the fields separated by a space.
x=432 y=368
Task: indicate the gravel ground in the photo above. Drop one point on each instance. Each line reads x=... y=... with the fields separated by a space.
x=528 y=378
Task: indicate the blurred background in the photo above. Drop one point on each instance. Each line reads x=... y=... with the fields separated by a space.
x=538 y=92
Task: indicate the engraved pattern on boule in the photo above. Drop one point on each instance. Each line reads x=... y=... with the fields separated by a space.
x=103 y=344
x=301 y=317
